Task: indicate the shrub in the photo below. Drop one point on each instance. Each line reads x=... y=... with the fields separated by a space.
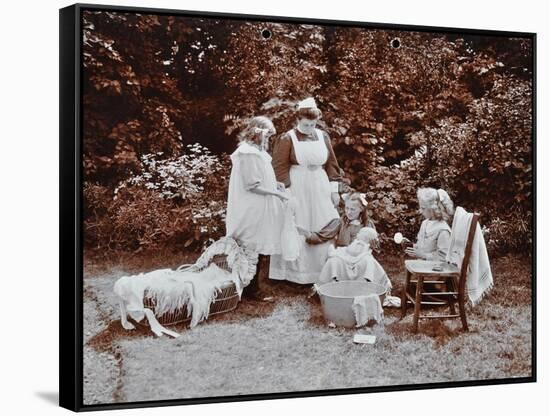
x=172 y=204
x=441 y=110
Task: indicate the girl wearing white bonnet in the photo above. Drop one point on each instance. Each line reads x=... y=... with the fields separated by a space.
x=433 y=239
x=255 y=204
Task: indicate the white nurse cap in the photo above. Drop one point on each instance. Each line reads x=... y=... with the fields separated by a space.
x=307 y=103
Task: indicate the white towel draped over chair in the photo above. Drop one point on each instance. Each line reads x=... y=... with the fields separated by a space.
x=479 y=277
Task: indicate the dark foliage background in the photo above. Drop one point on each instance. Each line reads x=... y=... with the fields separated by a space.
x=164 y=98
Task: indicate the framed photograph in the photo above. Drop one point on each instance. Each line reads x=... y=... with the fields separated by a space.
x=257 y=207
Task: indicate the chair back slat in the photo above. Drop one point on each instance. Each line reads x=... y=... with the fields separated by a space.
x=467 y=253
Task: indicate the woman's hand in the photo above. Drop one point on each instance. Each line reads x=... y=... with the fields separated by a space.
x=303 y=231
x=335 y=197
x=282 y=196
x=414 y=252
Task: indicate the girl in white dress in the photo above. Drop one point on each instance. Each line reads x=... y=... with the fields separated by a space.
x=434 y=237
x=255 y=204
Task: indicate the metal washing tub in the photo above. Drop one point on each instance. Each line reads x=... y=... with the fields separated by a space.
x=337 y=299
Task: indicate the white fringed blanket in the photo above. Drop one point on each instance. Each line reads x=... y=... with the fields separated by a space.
x=171 y=289
x=480 y=278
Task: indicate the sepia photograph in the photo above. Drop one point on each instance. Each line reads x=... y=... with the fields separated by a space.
x=276 y=206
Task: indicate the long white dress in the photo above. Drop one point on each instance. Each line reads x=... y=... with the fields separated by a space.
x=310 y=185
x=345 y=266
x=252 y=219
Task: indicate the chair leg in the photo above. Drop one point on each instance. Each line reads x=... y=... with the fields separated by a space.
x=450 y=288
x=462 y=309
x=404 y=295
x=418 y=302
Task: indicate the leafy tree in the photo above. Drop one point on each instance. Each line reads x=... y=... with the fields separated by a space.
x=404 y=109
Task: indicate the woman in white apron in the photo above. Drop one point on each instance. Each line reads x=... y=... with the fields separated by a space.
x=303 y=160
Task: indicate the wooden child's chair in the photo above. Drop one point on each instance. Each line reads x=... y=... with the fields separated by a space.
x=421 y=272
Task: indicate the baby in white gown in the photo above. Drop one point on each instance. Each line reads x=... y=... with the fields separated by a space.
x=355 y=261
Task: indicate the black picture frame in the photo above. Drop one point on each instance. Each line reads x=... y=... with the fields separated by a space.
x=70 y=215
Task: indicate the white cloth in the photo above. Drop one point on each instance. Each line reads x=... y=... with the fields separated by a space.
x=366 y=308
x=172 y=290
x=479 y=278
x=291 y=241
x=310 y=186
x=241 y=260
x=459 y=236
x=254 y=220
x=343 y=266
x=392 y=301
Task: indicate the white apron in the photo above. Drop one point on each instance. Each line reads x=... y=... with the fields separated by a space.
x=309 y=184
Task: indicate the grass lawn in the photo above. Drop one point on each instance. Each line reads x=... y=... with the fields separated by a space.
x=285 y=345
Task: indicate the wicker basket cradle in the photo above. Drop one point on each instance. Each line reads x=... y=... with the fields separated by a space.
x=227 y=255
